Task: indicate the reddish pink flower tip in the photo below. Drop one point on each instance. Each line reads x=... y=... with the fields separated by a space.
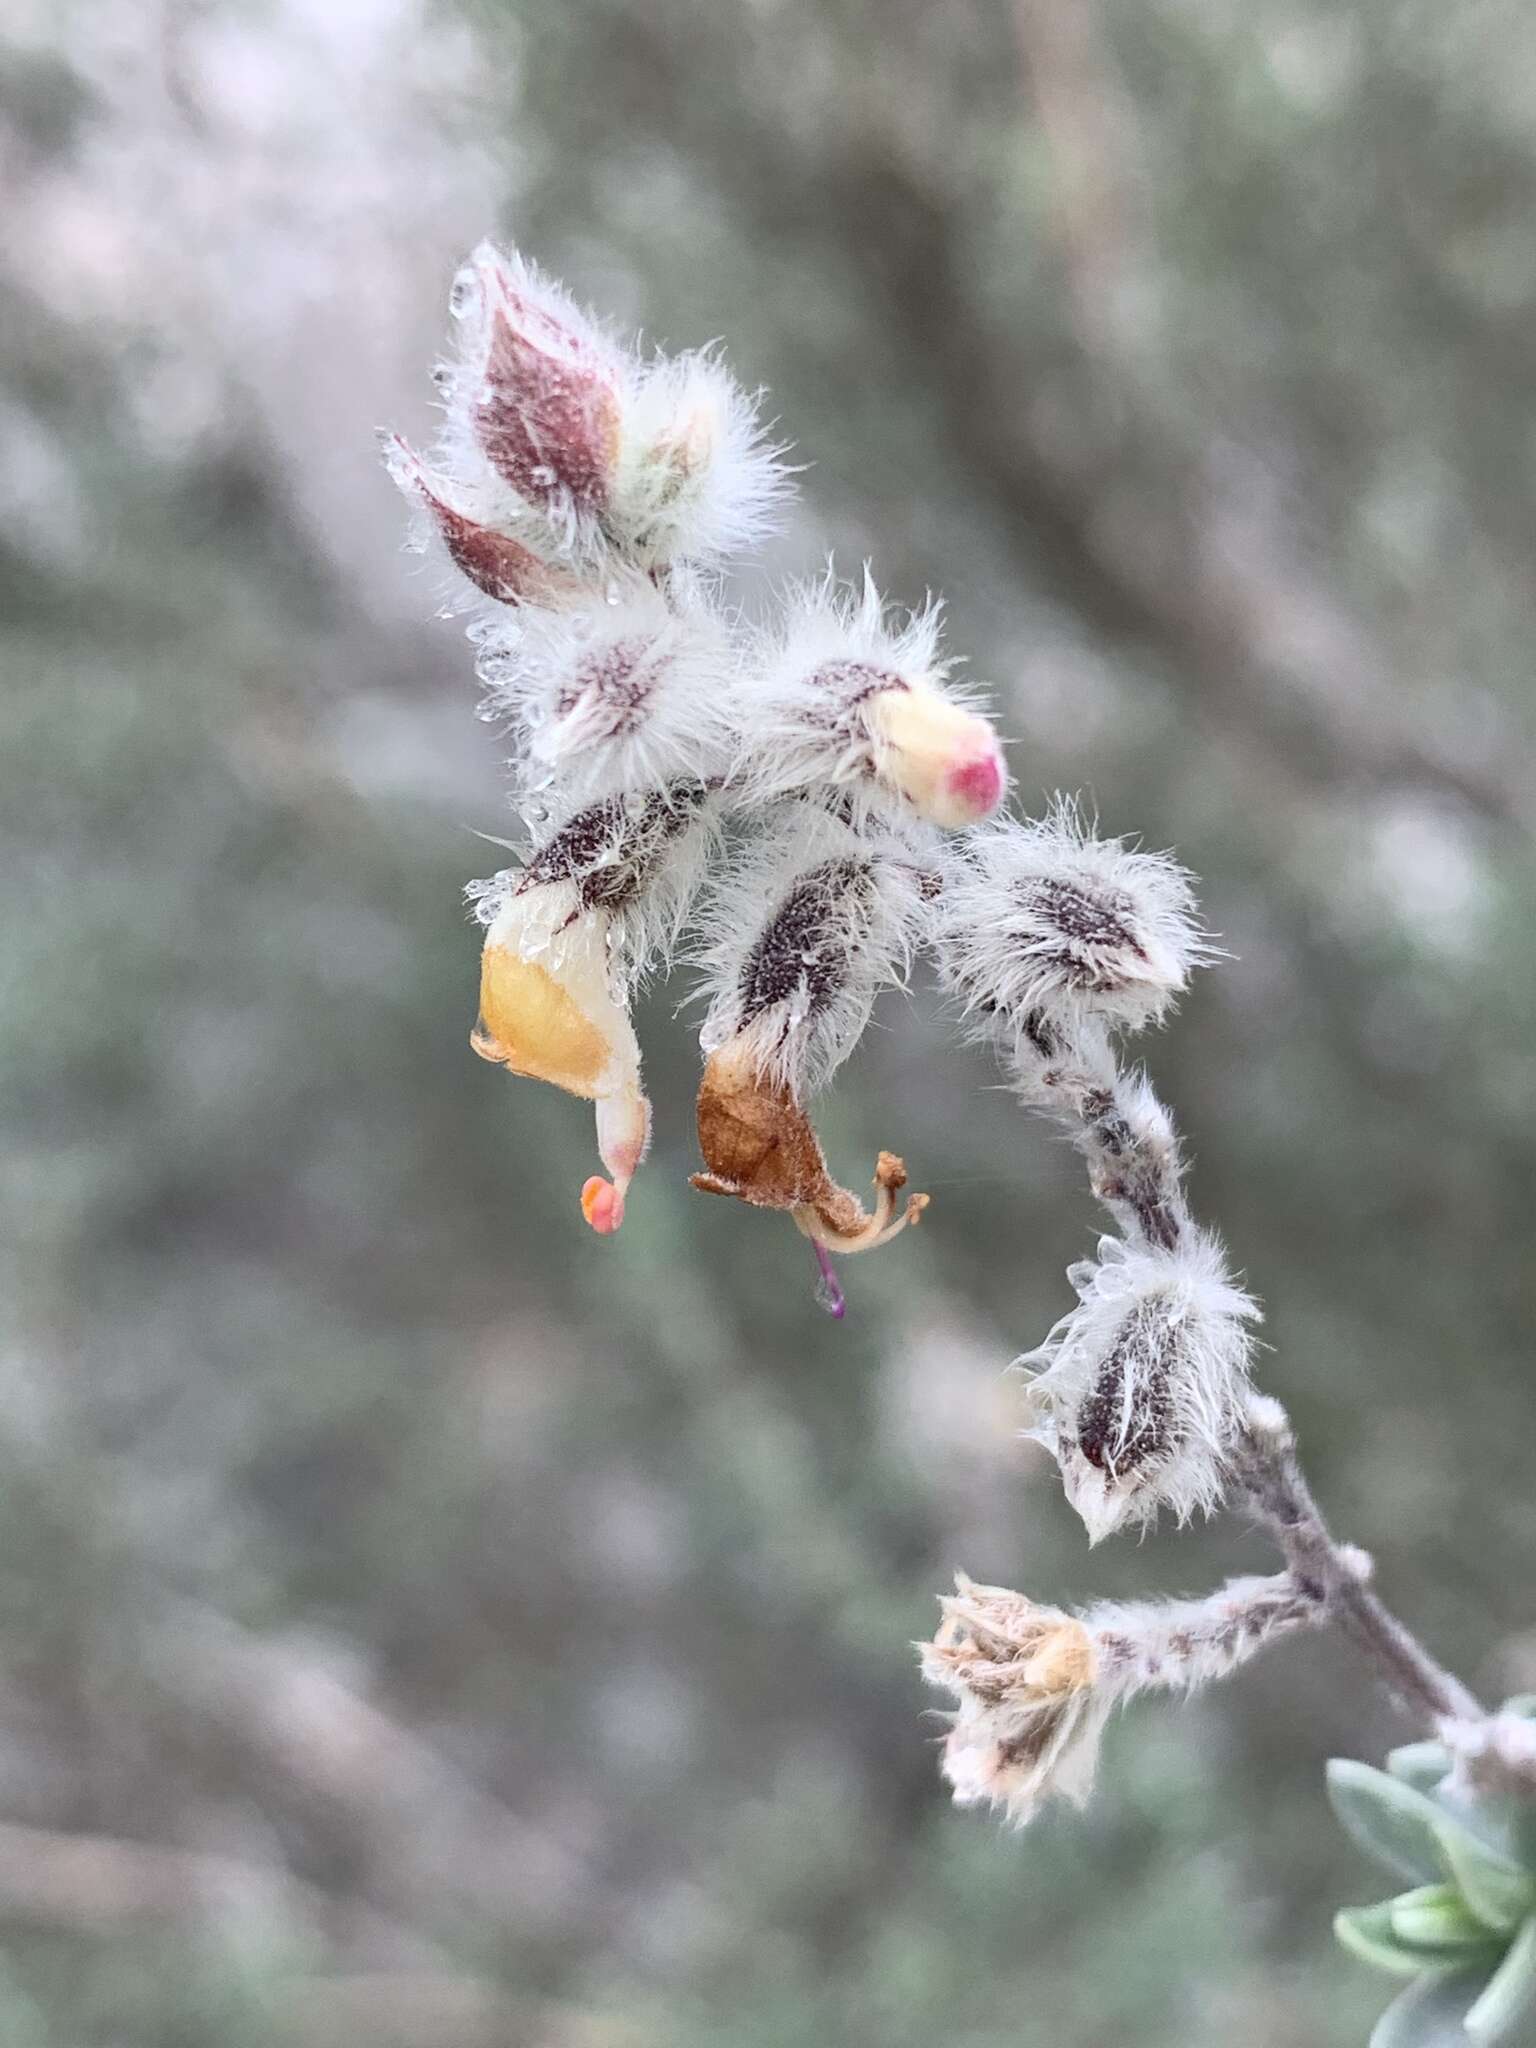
x=977 y=784
x=602 y=1205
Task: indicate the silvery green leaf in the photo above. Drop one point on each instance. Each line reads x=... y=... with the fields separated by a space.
x=1495 y=1888
x=1523 y=1704
x=1505 y=2011
x=1436 y=1917
x=1420 y=1764
x=1391 y=1821
x=1430 y=2013
x=1367 y=1932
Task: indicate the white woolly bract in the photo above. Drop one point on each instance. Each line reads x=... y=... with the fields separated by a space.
x=629 y=693
x=1142 y=1391
x=636 y=858
x=1041 y=919
x=698 y=479
x=1145 y=1116
x=835 y=649
x=801 y=934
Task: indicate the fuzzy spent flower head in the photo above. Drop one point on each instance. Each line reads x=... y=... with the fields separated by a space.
x=760 y=1147
x=1030 y=1711
x=1042 y=922
x=1142 y=1395
x=855 y=704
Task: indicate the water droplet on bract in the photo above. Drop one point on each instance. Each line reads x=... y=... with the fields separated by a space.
x=611 y=594
x=442 y=377
x=464 y=296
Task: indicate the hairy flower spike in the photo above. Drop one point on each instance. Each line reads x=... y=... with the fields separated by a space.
x=1042 y=924
x=852 y=704
x=1142 y=1397
x=1034 y=1686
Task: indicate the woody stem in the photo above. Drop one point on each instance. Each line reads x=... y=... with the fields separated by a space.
x=1279 y=1499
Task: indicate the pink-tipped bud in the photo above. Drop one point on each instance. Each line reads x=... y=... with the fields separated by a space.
x=975 y=787
x=943 y=759
x=544 y=403
x=495 y=563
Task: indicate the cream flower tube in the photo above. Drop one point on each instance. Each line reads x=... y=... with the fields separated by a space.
x=548 y=1010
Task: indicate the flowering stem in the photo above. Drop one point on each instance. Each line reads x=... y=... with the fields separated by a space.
x=1279 y=1498
x=1137 y=1176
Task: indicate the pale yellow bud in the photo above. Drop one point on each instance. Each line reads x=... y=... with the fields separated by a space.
x=943 y=759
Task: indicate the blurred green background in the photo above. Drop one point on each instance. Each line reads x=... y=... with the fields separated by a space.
x=423 y=1624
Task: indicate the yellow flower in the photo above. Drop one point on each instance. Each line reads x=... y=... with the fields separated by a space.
x=548 y=1010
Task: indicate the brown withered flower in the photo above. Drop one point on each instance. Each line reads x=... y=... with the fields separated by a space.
x=759 y=1145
